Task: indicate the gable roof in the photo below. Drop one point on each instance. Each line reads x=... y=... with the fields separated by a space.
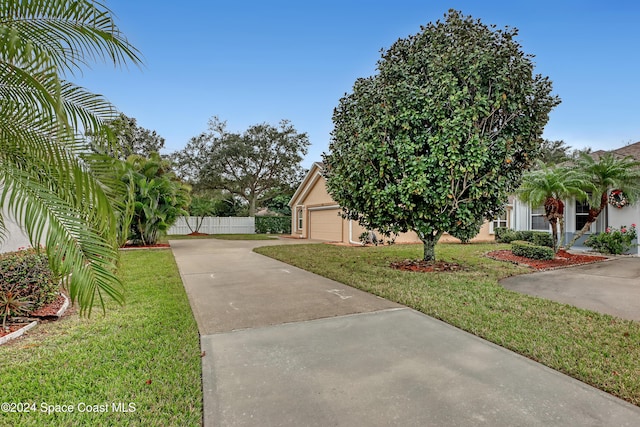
x=307 y=183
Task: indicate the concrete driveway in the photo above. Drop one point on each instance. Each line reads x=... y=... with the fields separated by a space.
x=610 y=287
x=284 y=347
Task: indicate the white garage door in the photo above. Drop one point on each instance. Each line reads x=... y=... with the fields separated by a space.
x=325 y=225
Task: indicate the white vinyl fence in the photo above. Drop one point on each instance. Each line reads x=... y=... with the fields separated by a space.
x=215 y=225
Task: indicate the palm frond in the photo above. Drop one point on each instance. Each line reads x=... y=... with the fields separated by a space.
x=69 y=34
x=46 y=182
x=76 y=249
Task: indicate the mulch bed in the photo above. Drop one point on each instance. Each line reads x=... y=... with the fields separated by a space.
x=12 y=328
x=562 y=259
x=49 y=310
x=46 y=312
x=426 y=266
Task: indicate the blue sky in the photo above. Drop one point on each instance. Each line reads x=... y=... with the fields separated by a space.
x=250 y=62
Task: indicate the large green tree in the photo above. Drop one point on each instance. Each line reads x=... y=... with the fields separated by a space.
x=437 y=139
x=603 y=173
x=248 y=165
x=554 y=152
x=129 y=138
x=46 y=184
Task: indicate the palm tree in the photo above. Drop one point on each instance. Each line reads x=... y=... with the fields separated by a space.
x=604 y=173
x=548 y=186
x=45 y=178
x=159 y=197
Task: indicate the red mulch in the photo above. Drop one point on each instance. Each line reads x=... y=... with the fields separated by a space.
x=196 y=233
x=562 y=259
x=48 y=311
x=426 y=266
x=12 y=328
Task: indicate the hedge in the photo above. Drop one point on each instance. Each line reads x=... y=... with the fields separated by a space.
x=529 y=250
x=540 y=238
x=273 y=224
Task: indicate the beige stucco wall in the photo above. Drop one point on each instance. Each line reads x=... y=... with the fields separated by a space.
x=412 y=237
x=357 y=230
x=483 y=236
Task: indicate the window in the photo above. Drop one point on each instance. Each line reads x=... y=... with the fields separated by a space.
x=582 y=213
x=538 y=221
x=499 y=221
x=299 y=214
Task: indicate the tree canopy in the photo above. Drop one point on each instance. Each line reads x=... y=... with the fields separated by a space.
x=130 y=139
x=438 y=138
x=248 y=165
x=46 y=184
x=554 y=152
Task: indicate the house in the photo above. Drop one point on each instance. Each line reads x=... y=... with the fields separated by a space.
x=315 y=215
x=521 y=216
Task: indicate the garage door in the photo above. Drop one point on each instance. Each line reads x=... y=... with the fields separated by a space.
x=325 y=225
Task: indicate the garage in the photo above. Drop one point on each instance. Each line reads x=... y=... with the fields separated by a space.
x=325 y=224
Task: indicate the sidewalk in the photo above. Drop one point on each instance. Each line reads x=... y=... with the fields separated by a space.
x=289 y=348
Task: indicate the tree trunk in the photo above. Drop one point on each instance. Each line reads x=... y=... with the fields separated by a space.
x=593 y=215
x=429 y=245
x=554 y=233
x=554 y=211
x=252 y=206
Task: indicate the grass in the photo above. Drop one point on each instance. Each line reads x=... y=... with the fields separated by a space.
x=595 y=348
x=146 y=353
x=219 y=236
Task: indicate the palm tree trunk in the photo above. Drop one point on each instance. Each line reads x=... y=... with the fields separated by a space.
x=593 y=216
x=554 y=233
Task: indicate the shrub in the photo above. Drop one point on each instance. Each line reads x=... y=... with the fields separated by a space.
x=273 y=224
x=613 y=241
x=505 y=235
x=25 y=276
x=529 y=250
x=542 y=238
x=525 y=235
x=12 y=305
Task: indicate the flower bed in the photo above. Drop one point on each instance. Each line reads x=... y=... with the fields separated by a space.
x=562 y=259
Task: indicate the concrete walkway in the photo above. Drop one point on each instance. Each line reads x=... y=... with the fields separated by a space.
x=610 y=287
x=284 y=347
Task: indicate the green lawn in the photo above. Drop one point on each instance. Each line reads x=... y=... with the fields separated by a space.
x=598 y=349
x=146 y=353
x=221 y=237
